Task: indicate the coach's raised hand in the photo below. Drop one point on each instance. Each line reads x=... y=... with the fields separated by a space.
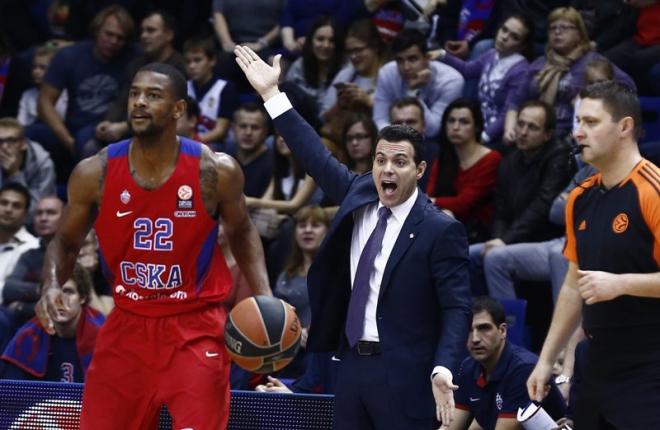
x=261 y=76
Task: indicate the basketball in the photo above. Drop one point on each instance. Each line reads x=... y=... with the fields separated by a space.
x=262 y=334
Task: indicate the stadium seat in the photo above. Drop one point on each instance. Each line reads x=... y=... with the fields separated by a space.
x=650 y=143
x=516 y=315
x=651 y=118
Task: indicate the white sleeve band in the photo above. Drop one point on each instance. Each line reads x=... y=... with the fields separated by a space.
x=442 y=369
x=277 y=105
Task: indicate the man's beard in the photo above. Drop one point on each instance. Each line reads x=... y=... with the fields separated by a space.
x=152 y=130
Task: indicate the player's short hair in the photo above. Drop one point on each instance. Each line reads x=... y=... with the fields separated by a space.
x=83 y=281
x=200 y=43
x=18 y=188
x=618 y=100
x=490 y=305
x=403 y=132
x=550 y=117
x=120 y=13
x=177 y=79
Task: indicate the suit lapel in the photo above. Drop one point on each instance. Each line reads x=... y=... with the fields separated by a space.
x=362 y=193
x=409 y=233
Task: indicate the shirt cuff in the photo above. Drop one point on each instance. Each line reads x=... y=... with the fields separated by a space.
x=277 y=105
x=444 y=370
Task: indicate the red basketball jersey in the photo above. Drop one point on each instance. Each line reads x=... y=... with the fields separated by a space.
x=158 y=247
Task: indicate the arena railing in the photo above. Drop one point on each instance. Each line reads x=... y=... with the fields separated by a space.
x=39 y=405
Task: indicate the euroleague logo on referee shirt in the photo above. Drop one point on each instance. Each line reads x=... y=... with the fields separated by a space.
x=620 y=223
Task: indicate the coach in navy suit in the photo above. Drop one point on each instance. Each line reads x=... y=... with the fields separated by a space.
x=397 y=362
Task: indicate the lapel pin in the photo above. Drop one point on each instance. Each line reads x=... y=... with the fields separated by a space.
x=412 y=235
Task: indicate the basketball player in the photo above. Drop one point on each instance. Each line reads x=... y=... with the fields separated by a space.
x=155 y=200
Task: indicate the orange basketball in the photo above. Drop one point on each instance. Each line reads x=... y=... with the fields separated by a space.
x=262 y=334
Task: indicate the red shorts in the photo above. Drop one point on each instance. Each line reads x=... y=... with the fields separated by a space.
x=141 y=363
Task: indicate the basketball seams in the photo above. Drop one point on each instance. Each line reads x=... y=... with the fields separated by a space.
x=285 y=325
x=263 y=322
x=244 y=337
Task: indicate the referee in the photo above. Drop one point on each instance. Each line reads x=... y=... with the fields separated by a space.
x=613 y=281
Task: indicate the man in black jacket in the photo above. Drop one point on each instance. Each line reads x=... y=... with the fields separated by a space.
x=528 y=180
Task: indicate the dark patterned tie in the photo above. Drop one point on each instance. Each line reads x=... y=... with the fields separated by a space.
x=360 y=293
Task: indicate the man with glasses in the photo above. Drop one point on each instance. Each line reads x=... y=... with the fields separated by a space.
x=24 y=162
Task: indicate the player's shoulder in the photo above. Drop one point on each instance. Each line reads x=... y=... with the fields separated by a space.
x=91 y=167
x=88 y=177
x=219 y=161
x=220 y=174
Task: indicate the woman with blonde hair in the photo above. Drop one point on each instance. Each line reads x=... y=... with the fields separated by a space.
x=312 y=223
x=558 y=76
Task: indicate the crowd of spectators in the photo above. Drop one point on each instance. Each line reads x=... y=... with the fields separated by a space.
x=491 y=84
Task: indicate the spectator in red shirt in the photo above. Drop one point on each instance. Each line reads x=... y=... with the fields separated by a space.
x=463 y=177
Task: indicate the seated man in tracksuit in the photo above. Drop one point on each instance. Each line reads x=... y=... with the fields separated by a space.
x=492 y=380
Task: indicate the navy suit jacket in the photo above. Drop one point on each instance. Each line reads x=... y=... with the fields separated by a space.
x=423 y=313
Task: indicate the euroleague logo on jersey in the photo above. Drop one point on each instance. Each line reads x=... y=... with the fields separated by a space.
x=184 y=197
x=184 y=202
x=620 y=223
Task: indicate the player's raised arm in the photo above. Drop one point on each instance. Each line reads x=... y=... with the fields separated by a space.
x=84 y=190
x=243 y=237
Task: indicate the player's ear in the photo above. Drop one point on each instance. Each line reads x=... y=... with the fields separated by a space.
x=179 y=108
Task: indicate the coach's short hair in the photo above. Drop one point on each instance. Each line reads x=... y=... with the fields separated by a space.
x=490 y=305
x=403 y=132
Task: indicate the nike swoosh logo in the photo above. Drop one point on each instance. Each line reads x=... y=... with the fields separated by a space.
x=475 y=399
x=123 y=214
x=212 y=354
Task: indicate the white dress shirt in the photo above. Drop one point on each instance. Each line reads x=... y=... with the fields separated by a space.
x=365 y=220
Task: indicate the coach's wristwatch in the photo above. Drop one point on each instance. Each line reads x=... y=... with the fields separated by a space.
x=562 y=379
